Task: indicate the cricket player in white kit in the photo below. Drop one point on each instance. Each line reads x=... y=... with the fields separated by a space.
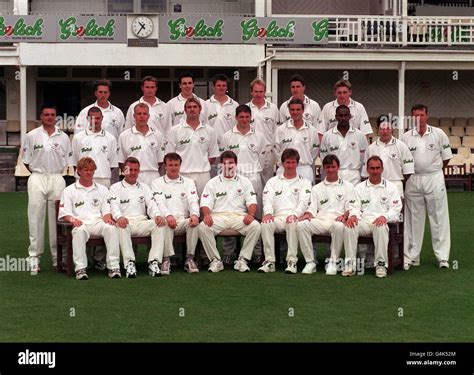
x=348 y=144
x=177 y=199
x=176 y=104
x=229 y=202
x=46 y=153
x=397 y=159
x=327 y=213
x=113 y=121
x=285 y=199
x=97 y=144
x=85 y=205
x=299 y=134
x=132 y=206
x=375 y=203
x=359 y=119
x=265 y=119
x=426 y=190
x=144 y=143
x=196 y=143
x=312 y=110
x=220 y=113
x=160 y=118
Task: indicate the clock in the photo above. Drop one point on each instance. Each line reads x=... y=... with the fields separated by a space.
x=142 y=26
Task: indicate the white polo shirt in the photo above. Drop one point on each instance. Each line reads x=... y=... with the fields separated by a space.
x=47 y=154
x=249 y=148
x=265 y=120
x=194 y=146
x=176 y=197
x=428 y=150
x=305 y=140
x=282 y=196
x=100 y=146
x=396 y=157
x=132 y=200
x=311 y=113
x=148 y=149
x=176 y=109
x=88 y=204
x=159 y=115
x=332 y=197
x=372 y=201
x=221 y=117
x=228 y=195
x=349 y=149
x=359 y=119
x=113 y=120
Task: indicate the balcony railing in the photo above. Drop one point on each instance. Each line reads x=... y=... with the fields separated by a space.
x=395 y=31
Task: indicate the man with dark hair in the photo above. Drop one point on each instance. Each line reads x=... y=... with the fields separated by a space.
x=159 y=115
x=136 y=214
x=176 y=104
x=312 y=110
x=85 y=205
x=299 y=134
x=359 y=119
x=220 y=112
x=425 y=190
x=396 y=157
x=196 y=142
x=326 y=214
x=375 y=203
x=285 y=199
x=97 y=144
x=348 y=144
x=178 y=200
x=113 y=121
x=46 y=153
x=229 y=202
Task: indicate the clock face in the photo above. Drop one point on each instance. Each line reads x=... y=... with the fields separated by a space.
x=142 y=27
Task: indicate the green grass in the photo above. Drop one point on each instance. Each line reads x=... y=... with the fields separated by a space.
x=437 y=305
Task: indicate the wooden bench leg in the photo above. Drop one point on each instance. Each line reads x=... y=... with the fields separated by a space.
x=69 y=260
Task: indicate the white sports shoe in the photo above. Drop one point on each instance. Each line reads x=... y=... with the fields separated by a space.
x=215 y=266
x=331 y=268
x=267 y=267
x=241 y=265
x=407 y=266
x=309 y=269
x=348 y=269
x=153 y=269
x=34 y=266
x=81 y=274
x=291 y=267
x=444 y=264
x=131 y=270
x=165 y=267
x=190 y=266
x=115 y=273
x=380 y=271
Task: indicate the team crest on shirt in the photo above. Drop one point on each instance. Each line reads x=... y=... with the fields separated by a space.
x=202 y=139
x=160 y=116
x=152 y=144
x=306 y=116
x=296 y=191
x=383 y=200
x=141 y=199
x=252 y=147
x=183 y=195
x=340 y=197
x=238 y=192
x=55 y=146
x=431 y=147
x=95 y=202
x=393 y=156
x=104 y=149
x=352 y=145
x=228 y=116
x=305 y=139
x=267 y=119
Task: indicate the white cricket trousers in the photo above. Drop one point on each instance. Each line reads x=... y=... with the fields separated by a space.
x=43 y=190
x=426 y=192
x=268 y=167
x=233 y=221
x=80 y=235
x=279 y=225
x=307 y=171
x=322 y=224
x=200 y=179
x=139 y=226
x=165 y=242
x=351 y=175
x=147 y=177
x=365 y=228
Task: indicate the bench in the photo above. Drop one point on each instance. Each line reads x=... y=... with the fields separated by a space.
x=456 y=175
x=395 y=245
